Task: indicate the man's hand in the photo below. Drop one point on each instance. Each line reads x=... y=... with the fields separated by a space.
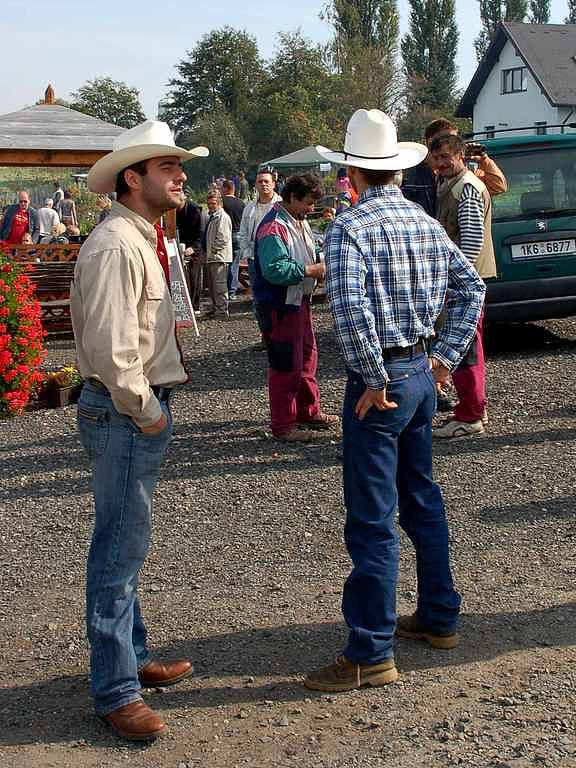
x=440 y=373
x=373 y=397
x=189 y=252
x=317 y=271
x=157 y=427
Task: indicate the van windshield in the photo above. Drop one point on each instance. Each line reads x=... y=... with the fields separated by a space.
x=540 y=184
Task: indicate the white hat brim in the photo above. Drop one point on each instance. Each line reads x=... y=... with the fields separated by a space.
x=409 y=154
x=102 y=175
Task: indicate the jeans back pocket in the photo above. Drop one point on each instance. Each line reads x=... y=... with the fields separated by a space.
x=94 y=428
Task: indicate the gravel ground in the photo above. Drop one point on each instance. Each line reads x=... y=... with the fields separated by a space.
x=246 y=571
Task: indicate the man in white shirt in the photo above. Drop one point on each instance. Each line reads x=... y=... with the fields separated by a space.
x=47 y=218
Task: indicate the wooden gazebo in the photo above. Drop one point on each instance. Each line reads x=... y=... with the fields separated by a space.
x=51 y=135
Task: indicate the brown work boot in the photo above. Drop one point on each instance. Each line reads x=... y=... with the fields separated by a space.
x=155 y=674
x=321 y=421
x=408 y=626
x=135 y=722
x=344 y=675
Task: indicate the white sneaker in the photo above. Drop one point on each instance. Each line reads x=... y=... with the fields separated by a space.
x=458 y=429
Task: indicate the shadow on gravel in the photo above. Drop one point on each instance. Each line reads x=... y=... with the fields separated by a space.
x=285 y=651
x=487 y=442
x=509 y=339
x=560 y=508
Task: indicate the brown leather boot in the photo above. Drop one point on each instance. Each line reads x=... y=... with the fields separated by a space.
x=135 y=722
x=158 y=675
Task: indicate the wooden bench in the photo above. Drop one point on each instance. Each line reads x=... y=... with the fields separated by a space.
x=52 y=270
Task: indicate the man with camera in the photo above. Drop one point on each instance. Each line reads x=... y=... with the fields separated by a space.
x=420 y=184
x=465 y=211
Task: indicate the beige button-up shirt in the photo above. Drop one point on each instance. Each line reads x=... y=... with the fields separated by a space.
x=123 y=317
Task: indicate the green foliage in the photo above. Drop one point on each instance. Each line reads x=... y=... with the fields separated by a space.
x=364 y=51
x=228 y=152
x=296 y=102
x=429 y=50
x=571 y=18
x=109 y=100
x=492 y=12
x=539 y=11
x=220 y=73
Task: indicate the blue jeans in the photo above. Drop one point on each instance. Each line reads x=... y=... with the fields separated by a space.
x=233 y=282
x=125 y=465
x=388 y=465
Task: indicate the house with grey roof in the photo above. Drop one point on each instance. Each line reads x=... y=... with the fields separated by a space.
x=527 y=78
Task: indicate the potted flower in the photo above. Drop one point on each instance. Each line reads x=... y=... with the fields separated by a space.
x=62 y=387
x=21 y=335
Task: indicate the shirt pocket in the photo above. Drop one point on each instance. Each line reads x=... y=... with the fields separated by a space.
x=154 y=293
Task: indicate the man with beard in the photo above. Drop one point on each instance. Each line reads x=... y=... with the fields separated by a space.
x=129 y=357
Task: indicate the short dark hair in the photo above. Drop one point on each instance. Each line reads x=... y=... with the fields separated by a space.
x=227 y=186
x=377 y=178
x=442 y=125
x=299 y=186
x=454 y=144
x=122 y=187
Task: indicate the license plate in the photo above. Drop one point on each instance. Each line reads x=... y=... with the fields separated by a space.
x=543 y=249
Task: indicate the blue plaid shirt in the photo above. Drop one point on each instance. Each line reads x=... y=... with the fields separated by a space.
x=390 y=269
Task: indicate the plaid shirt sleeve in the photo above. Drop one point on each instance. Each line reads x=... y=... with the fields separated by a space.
x=354 y=321
x=464 y=302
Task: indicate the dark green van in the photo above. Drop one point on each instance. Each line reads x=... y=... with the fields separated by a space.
x=534 y=229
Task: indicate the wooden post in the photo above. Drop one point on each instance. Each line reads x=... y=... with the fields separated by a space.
x=170 y=224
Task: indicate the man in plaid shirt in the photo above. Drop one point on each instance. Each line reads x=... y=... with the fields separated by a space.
x=391 y=269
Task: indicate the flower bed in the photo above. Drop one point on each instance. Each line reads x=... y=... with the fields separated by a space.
x=21 y=335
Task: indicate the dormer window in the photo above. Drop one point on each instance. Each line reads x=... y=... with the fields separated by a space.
x=514 y=80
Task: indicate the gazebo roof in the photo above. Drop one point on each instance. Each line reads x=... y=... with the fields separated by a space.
x=49 y=134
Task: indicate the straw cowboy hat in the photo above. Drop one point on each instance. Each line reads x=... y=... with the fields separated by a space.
x=372 y=142
x=143 y=142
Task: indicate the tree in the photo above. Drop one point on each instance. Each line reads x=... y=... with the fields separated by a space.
x=110 y=100
x=571 y=18
x=492 y=12
x=429 y=50
x=539 y=11
x=218 y=131
x=296 y=102
x=221 y=72
x=364 y=51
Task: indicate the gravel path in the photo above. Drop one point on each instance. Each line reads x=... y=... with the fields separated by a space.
x=246 y=570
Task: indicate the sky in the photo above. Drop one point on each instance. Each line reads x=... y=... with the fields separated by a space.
x=67 y=42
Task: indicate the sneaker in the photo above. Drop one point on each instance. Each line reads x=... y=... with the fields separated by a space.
x=344 y=675
x=408 y=626
x=456 y=428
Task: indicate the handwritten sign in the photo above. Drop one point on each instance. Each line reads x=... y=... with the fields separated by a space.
x=183 y=309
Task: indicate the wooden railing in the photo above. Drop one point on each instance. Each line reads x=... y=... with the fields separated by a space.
x=52 y=270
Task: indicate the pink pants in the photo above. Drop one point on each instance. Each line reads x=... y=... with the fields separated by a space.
x=293 y=356
x=470 y=380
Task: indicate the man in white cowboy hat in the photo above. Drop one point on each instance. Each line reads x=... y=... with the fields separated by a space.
x=129 y=357
x=389 y=269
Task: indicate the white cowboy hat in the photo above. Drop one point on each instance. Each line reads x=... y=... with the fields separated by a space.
x=143 y=142
x=372 y=142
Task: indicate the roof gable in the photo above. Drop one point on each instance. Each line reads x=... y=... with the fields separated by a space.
x=548 y=50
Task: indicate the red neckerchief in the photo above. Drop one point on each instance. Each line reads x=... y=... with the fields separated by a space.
x=161 y=252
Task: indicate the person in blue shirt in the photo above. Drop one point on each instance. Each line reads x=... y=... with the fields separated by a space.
x=390 y=270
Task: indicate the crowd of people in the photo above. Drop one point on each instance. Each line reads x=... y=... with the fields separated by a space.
x=403 y=265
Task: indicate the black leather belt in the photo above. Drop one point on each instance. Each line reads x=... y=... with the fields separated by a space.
x=162 y=393
x=393 y=352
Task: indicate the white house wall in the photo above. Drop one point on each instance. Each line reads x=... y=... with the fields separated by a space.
x=512 y=110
